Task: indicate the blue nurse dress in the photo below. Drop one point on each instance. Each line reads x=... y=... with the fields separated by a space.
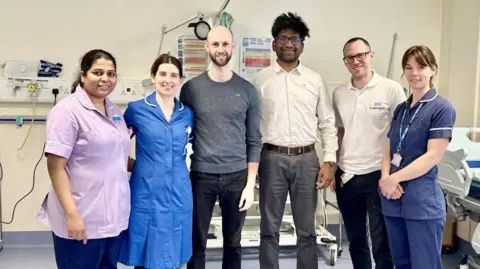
x=160 y=227
x=415 y=222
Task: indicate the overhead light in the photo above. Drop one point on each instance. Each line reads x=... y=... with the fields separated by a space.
x=200 y=29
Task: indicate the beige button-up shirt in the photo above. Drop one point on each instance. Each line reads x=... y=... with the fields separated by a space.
x=294 y=105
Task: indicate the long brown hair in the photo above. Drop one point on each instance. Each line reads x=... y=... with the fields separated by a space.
x=423 y=56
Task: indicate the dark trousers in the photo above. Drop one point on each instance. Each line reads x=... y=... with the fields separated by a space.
x=416 y=244
x=96 y=254
x=228 y=188
x=356 y=199
x=281 y=175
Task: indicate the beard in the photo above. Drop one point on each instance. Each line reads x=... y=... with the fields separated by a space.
x=218 y=62
x=287 y=56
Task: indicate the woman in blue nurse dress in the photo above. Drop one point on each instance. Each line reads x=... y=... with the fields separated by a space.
x=412 y=201
x=160 y=229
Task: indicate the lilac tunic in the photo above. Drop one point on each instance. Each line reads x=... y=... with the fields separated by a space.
x=97 y=148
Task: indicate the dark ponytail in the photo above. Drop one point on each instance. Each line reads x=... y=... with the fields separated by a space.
x=76 y=82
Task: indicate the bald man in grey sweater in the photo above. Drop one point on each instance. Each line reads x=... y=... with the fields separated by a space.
x=226 y=149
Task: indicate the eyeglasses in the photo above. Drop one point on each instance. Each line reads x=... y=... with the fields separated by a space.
x=283 y=40
x=359 y=56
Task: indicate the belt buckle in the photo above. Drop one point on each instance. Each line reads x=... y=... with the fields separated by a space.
x=296 y=151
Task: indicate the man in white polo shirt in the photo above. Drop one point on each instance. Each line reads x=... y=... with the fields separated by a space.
x=363 y=109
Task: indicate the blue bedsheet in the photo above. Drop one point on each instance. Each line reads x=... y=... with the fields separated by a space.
x=475 y=187
x=475 y=190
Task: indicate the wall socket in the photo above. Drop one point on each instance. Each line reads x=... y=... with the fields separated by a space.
x=127 y=91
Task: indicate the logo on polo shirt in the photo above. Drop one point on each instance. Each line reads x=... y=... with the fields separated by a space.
x=379 y=106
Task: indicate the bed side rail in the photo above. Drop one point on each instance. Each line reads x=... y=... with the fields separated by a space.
x=454 y=174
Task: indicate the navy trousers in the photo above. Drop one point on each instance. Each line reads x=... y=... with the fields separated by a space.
x=96 y=254
x=415 y=244
x=358 y=199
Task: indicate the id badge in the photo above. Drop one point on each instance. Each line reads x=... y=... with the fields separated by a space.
x=396 y=159
x=346 y=177
x=188 y=149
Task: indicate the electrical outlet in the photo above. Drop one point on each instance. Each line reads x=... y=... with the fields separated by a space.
x=64 y=90
x=126 y=91
x=46 y=95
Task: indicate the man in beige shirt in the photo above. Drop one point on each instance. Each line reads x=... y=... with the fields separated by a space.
x=294 y=104
x=363 y=110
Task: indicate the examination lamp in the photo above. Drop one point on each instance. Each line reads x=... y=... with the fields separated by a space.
x=200 y=29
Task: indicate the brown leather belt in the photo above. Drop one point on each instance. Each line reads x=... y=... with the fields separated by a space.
x=288 y=150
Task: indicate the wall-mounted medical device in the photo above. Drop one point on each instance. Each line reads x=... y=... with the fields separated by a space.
x=49 y=90
x=41 y=68
x=15 y=68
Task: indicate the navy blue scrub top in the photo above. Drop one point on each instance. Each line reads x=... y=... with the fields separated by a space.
x=423 y=198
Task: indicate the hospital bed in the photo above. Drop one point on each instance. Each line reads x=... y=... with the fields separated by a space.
x=288 y=238
x=459 y=177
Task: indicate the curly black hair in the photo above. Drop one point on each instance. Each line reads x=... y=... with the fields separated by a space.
x=290 y=21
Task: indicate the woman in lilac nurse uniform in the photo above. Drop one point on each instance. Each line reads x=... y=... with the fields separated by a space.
x=87 y=148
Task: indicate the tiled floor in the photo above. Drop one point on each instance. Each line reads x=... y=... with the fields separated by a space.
x=42 y=258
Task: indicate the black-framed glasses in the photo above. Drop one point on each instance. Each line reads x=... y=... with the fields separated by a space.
x=359 y=56
x=283 y=40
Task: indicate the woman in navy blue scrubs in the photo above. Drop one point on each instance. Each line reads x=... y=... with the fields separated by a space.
x=412 y=201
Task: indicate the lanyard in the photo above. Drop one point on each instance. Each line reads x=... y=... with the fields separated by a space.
x=404 y=133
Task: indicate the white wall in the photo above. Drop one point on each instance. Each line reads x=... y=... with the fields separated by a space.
x=460 y=64
x=63 y=30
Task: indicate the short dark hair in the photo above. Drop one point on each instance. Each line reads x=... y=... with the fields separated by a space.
x=354 y=39
x=166 y=58
x=290 y=21
x=87 y=61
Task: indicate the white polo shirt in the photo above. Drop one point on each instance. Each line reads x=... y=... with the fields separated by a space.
x=365 y=114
